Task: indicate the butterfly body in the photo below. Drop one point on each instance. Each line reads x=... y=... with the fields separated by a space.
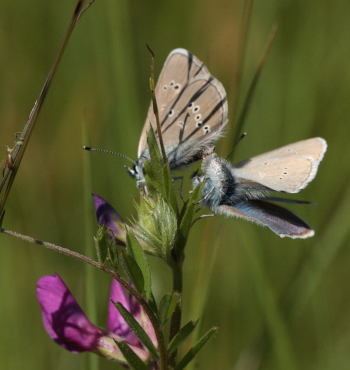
x=192 y=107
x=241 y=190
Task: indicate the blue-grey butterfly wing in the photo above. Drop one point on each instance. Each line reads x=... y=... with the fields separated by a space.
x=278 y=219
x=287 y=169
x=192 y=108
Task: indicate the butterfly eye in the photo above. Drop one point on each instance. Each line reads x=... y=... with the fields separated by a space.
x=206 y=129
x=199 y=124
x=190 y=105
x=171 y=112
x=198 y=117
x=196 y=108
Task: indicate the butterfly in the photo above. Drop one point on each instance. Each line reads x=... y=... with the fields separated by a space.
x=242 y=190
x=192 y=108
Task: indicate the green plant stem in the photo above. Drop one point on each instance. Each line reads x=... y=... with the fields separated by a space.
x=175 y=324
x=114 y=275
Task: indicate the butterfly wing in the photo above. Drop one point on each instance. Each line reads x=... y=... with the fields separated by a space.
x=278 y=219
x=287 y=169
x=192 y=108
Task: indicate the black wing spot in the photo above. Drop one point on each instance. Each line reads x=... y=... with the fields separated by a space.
x=190 y=105
x=165 y=87
x=206 y=129
x=198 y=117
x=196 y=108
x=199 y=124
x=171 y=112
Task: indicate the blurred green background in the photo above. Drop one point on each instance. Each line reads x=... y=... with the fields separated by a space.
x=280 y=304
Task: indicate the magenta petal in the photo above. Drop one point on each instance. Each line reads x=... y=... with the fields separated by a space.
x=108 y=216
x=63 y=318
x=116 y=323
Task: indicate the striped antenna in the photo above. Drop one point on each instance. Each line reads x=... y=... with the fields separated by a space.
x=109 y=152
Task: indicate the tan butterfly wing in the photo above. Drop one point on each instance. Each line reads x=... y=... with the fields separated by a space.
x=287 y=169
x=192 y=108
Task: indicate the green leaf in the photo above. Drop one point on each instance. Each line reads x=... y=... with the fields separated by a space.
x=138 y=254
x=153 y=304
x=167 y=306
x=113 y=257
x=156 y=173
x=169 y=187
x=131 y=357
x=153 y=147
x=150 y=177
x=102 y=243
x=137 y=329
x=133 y=271
x=181 y=336
x=194 y=350
x=187 y=214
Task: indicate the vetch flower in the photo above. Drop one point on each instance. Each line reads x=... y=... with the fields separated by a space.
x=108 y=216
x=68 y=326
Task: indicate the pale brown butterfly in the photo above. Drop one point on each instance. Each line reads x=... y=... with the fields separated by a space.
x=242 y=190
x=192 y=108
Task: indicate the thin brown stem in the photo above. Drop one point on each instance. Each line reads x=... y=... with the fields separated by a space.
x=21 y=144
x=241 y=52
x=252 y=87
x=255 y=80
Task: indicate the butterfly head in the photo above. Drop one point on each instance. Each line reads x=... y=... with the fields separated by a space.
x=137 y=172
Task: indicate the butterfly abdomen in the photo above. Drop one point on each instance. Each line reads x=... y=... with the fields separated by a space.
x=220 y=182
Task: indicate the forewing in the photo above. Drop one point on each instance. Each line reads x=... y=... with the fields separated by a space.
x=287 y=169
x=278 y=219
x=192 y=108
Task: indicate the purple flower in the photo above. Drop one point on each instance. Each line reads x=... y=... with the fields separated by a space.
x=108 y=216
x=68 y=326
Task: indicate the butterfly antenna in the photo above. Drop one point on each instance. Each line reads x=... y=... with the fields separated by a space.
x=237 y=142
x=252 y=87
x=108 y=152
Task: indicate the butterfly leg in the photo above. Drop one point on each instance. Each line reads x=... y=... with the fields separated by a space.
x=203 y=216
x=204 y=198
x=181 y=178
